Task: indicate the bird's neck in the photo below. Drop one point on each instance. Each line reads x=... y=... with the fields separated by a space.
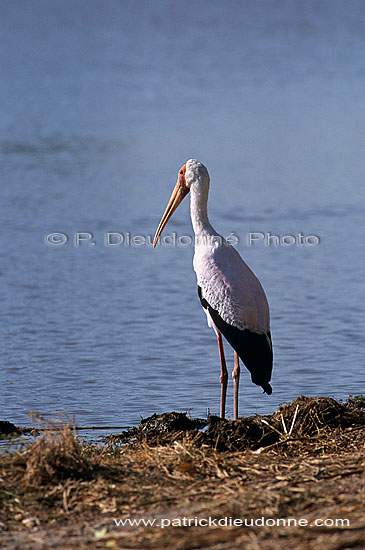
x=198 y=210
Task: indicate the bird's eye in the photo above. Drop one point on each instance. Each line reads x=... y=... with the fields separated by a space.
x=181 y=172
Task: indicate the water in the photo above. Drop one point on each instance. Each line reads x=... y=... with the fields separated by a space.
x=100 y=104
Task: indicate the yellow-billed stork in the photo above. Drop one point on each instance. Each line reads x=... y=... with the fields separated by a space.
x=230 y=293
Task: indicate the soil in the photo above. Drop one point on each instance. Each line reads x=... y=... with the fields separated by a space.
x=303 y=463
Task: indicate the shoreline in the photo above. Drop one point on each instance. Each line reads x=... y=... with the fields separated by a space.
x=61 y=493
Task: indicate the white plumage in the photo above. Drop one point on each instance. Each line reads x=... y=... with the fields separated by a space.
x=227 y=283
x=230 y=287
x=230 y=293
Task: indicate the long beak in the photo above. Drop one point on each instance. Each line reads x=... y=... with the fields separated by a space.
x=178 y=194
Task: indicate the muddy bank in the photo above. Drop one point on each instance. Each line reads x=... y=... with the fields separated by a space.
x=8 y=429
x=306 y=462
x=305 y=417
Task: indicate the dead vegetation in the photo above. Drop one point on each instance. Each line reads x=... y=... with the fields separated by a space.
x=304 y=461
x=303 y=421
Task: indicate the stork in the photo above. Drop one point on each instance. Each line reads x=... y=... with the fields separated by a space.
x=230 y=293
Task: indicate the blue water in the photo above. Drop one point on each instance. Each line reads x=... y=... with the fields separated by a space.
x=100 y=104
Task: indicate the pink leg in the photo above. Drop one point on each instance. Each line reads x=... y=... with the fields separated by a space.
x=224 y=375
x=236 y=380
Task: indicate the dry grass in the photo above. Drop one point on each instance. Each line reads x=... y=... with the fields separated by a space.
x=62 y=494
x=57 y=455
x=302 y=421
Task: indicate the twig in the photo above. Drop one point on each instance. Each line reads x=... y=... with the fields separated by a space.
x=282 y=420
x=293 y=421
x=272 y=427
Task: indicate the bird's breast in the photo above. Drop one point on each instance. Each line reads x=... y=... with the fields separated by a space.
x=231 y=288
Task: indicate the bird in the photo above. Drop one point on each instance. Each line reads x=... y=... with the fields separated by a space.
x=230 y=293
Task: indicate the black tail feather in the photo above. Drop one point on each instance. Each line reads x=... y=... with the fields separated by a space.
x=255 y=350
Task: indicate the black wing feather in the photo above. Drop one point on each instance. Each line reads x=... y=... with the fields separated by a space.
x=255 y=350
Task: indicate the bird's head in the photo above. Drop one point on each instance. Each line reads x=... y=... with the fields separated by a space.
x=192 y=175
x=196 y=174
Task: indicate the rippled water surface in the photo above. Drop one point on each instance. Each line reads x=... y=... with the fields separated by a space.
x=100 y=104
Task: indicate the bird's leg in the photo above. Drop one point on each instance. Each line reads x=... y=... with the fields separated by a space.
x=236 y=380
x=224 y=375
